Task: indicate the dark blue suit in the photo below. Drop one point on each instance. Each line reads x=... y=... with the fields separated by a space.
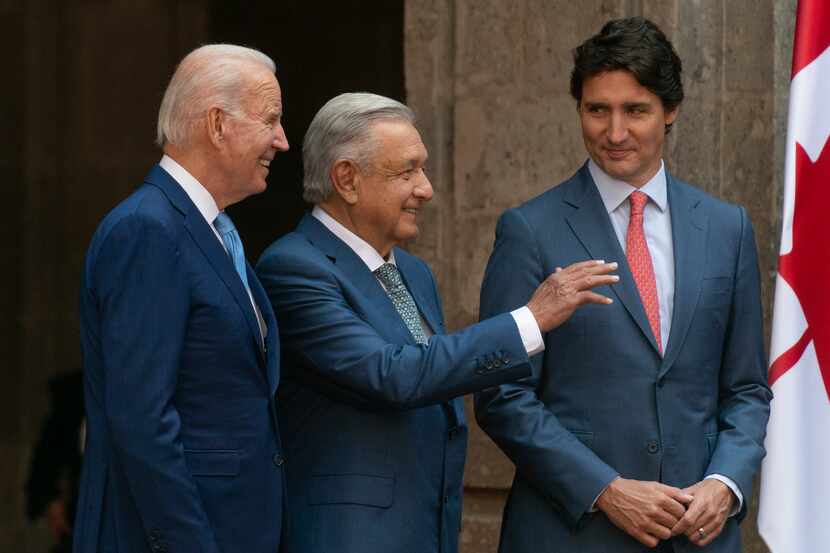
x=373 y=426
x=602 y=401
x=182 y=447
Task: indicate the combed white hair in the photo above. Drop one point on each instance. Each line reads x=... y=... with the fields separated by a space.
x=211 y=75
x=340 y=130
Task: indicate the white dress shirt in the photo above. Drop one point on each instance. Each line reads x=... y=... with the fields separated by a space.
x=657 y=230
x=525 y=321
x=206 y=205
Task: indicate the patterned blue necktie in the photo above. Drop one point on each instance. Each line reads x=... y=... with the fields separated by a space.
x=230 y=237
x=390 y=277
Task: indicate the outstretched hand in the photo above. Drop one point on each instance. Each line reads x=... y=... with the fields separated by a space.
x=561 y=293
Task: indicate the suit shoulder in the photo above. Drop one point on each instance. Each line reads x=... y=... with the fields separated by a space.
x=537 y=212
x=289 y=253
x=720 y=212
x=143 y=215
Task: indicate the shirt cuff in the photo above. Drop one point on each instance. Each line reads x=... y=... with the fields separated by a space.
x=732 y=486
x=528 y=330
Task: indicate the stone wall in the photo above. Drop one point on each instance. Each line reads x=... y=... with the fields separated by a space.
x=489 y=82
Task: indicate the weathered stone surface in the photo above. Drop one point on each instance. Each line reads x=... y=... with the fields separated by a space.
x=482 y=520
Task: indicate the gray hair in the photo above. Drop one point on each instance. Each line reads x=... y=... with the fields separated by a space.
x=209 y=76
x=340 y=130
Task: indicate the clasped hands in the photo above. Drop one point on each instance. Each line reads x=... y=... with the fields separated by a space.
x=651 y=511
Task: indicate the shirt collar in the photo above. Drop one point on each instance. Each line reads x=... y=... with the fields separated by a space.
x=358 y=245
x=614 y=192
x=197 y=193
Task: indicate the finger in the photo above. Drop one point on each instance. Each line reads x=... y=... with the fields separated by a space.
x=601 y=268
x=689 y=523
x=583 y=265
x=592 y=281
x=710 y=535
x=645 y=538
x=674 y=507
x=592 y=297
x=658 y=531
x=684 y=525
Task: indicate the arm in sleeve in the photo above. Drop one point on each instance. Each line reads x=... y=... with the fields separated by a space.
x=346 y=358
x=744 y=396
x=143 y=303
x=547 y=455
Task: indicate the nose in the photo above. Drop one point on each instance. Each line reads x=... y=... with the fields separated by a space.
x=617 y=128
x=423 y=189
x=280 y=142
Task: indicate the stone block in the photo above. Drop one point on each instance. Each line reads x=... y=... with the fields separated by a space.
x=475 y=233
x=481 y=521
x=489 y=34
x=552 y=31
x=490 y=146
x=748 y=45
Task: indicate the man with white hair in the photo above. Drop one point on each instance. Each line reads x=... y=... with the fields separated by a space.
x=181 y=358
x=370 y=402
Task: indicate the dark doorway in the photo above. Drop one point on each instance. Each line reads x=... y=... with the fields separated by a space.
x=321 y=48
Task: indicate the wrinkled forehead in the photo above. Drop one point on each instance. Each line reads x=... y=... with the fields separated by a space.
x=262 y=90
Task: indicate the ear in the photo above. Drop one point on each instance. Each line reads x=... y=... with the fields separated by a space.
x=345 y=179
x=670 y=116
x=216 y=122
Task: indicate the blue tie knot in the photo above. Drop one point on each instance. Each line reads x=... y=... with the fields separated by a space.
x=223 y=224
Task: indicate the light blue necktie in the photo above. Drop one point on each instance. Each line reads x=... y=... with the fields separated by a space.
x=402 y=300
x=233 y=243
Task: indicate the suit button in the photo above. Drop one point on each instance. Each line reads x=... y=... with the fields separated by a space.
x=497 y=363
x=506 y=359
x=446 y=499
x=279 y=460
x=660 y=383
x=653 y=446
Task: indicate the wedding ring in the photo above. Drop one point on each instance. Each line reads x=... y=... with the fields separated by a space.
x=702 y=532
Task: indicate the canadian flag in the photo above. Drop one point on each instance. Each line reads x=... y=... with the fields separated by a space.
x=794 y=514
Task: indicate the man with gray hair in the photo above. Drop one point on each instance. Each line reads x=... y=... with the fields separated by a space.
x=181 y=358
x=370 y=400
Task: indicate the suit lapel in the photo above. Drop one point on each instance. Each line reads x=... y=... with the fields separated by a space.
x=689 y=224
x=204 y=237
x=590 y=223
x=271 y=343
x=359 y=275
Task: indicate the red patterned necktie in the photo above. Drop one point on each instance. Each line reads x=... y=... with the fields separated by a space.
x=639 y=260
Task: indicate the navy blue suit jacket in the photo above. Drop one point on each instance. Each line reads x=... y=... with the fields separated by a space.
x=182 y=447
x=373 y=427
x=602 y=401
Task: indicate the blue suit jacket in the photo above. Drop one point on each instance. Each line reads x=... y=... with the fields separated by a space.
x=182 y=447
x=602 y=401
x=375 y=440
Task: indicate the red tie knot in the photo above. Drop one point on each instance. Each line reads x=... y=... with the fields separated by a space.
x=638 y=202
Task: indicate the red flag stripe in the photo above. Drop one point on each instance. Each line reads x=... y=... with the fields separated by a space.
x=812 y=33
x=786 y=360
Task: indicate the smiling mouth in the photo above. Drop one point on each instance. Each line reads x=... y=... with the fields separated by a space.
x=265 y=163
x=411 y=210
x=617 y=154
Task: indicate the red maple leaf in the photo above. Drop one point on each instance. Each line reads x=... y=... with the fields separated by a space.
x=807 y=267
